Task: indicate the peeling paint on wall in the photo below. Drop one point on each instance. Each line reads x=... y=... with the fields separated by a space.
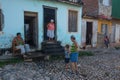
x=105 y=10
x=6 y=41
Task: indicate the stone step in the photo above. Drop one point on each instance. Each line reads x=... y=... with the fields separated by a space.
x=51 y=43
x=52 y=48
x=6 y=57
x=36 y=54
x=54 y=53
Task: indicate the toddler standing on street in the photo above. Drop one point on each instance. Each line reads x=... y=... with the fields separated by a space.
x=67 y=55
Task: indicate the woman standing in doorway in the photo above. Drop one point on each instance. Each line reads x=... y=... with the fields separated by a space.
x=74 y=55
x=50 y=29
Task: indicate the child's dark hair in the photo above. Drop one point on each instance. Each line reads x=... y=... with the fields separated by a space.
x=67 y=46
x=72 y=37
x=18 y=33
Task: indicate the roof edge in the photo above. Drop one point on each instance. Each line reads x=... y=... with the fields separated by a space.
x=80 y=3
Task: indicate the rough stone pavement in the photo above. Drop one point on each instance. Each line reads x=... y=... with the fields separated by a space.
x=104 y=65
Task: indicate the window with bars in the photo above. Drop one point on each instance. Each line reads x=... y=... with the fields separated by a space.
x=104 y=29
x=105 y=2
x=1 y=20
x=72 y=21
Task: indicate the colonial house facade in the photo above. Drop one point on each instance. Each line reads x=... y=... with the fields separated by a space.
x=30 y=17
x=96 y=21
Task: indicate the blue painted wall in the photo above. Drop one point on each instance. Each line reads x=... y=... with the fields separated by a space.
x=13 y=11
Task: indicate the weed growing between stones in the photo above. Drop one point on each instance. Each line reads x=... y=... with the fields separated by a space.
x=117 y=47
x=85 y=53
x=56 y=57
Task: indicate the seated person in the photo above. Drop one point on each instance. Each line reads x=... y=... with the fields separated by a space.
x=19 y=44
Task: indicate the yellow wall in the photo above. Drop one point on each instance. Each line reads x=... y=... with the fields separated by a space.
x=109 y=23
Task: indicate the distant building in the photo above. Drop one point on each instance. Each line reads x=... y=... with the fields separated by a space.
x=96 y=21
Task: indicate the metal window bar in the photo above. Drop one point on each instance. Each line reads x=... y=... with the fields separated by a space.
x=1 y=20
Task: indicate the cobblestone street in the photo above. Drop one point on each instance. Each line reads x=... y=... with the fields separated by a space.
x=37 y=36
x=104 y=65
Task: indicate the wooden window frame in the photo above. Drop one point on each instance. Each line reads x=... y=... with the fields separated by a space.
x=105 y=27
x=69 y=20
x=1 y=20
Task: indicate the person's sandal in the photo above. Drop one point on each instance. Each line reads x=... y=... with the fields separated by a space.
x=77 y=73
x=26 y=58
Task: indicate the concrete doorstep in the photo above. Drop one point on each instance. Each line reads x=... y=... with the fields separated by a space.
x=6 y=57
x=9 y=57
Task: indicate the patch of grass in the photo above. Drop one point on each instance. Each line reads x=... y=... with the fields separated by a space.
x=85 y=53
x=56 y=57
x=61 y=57
x=10 y=61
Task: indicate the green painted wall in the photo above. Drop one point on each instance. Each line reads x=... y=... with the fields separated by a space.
x=116 y=9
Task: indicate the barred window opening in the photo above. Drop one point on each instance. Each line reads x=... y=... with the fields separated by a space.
x=1 y=20
x=73 y=21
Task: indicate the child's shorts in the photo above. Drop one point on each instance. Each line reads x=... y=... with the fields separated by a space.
x=67 y=60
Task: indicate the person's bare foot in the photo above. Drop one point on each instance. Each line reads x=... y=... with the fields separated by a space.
x=66 y=69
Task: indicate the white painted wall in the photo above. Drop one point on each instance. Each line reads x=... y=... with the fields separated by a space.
x=117 y=33
x=112 y=37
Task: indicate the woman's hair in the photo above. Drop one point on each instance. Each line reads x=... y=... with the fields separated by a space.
x=67 y=46
x=106 y=36
x=72 y=37
x=51 y=20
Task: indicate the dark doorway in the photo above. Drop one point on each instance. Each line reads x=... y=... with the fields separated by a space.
x=89 y=33
x=31 y=29
x=49 y=13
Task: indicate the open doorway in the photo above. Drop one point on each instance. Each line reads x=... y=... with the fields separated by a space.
x=49 y=13
x=31 y=28
x=89 y=33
